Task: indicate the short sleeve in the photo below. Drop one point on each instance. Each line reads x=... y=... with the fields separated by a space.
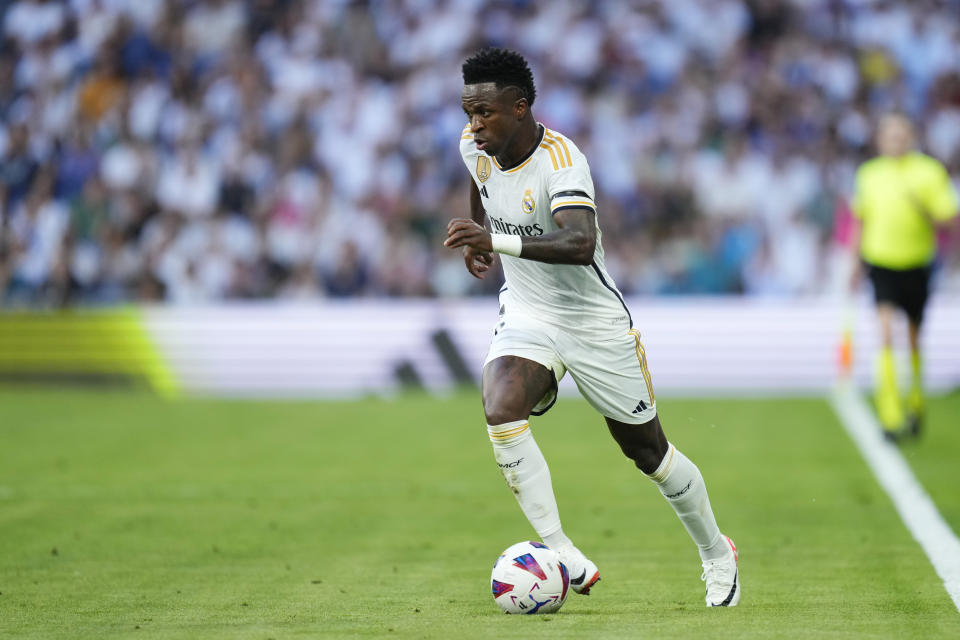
x=940 y=197
x=570 y=185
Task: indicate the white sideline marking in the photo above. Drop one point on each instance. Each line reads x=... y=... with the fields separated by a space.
x=915 y=507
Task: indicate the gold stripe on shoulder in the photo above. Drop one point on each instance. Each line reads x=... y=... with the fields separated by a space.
x=553 y=136
x=466 y=128
x=553 y=158
x=553 y=143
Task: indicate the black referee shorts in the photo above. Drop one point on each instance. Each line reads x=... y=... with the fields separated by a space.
x=907 y=289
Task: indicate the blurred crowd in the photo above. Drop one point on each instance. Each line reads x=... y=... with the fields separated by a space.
x=197 y=150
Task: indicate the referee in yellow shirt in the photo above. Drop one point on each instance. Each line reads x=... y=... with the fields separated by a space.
x=901 y=197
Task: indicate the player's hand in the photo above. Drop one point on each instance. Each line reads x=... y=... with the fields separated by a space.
x=467 y=233
x=478 y=262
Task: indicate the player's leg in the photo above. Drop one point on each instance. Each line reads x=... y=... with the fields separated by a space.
x=887 y=392
x=612 y=374
x=682 y=485
x=918 y=286
x=887 y=291
x=512 y=387
x=916 y=401
x=678 y=479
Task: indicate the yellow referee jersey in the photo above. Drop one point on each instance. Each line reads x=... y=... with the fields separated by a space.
x=894 y=198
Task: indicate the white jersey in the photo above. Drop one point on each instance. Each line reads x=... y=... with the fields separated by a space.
x=522 y=200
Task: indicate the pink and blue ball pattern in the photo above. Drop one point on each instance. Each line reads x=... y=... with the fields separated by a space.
x=500 y=588
x=529 y=563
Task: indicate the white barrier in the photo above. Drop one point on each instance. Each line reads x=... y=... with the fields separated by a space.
x=694 y=345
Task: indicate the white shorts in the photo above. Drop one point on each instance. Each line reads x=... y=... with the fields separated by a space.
x=609 y=366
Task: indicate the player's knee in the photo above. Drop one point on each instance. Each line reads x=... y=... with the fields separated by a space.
x=502 y=415
x=644 y=444
x=502 y=406
x=647 y=459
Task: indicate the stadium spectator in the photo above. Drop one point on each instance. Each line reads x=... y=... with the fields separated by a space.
x=743 y=115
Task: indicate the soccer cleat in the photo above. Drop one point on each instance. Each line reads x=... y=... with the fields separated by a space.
x=723 y=579
x=894 y=436
x=915 y=424
x=583 y=573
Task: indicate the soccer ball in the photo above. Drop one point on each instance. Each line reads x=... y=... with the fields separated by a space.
x=528 y=577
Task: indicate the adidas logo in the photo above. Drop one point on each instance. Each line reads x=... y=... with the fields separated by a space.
x=640 y=407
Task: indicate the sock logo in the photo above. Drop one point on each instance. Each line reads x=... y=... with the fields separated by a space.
x=510 y=465
x=679 y=493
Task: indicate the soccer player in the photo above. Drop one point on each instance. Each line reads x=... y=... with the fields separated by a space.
x=561 y=311
x=900 y=198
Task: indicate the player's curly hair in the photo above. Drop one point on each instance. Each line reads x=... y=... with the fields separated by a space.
x=503 y=67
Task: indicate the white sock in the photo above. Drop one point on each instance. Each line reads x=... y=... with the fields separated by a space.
x=682 y=485
x=525 y=470
x=557 y=540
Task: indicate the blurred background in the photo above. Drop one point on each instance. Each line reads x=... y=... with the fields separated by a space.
x=196 y=152
x=202 y=150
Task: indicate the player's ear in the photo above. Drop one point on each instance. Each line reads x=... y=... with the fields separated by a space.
x=520 y=108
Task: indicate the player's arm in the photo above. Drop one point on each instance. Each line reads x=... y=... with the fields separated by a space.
x=477 y=213
x=573 y=243
x=857 y=214
x=477 y=261
x=856 y=262
x=937 y=201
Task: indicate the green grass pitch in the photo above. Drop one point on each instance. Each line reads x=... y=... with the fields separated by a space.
x=126 y=516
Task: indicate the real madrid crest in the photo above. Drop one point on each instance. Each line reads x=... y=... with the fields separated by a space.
x=528 y=203
x=483 y=168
